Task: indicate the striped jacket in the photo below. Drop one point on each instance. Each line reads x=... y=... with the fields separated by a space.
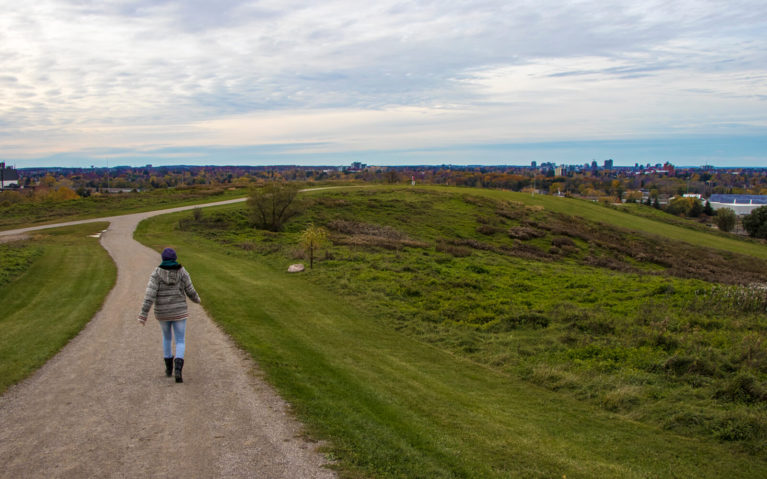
x=168 y=288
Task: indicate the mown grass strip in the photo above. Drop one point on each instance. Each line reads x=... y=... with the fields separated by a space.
x=49 y=303
x=392 y=406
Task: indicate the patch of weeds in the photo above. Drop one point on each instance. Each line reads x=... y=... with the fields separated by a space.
x=743 y=388
x=409 y=292
x=663 y=289
x=553 y=377
x=451 y=249
x=525 y=233
x=739 y=426
x=598 y=357
x=622 y=398
x=529 y=319
x=15 y=259
x=686 y=422
x=477 y=268
x=752 y=352
x=664 y=341
x=681 y=365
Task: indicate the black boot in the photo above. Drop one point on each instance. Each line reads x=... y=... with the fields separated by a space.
x=179 y=367
x=169 y=366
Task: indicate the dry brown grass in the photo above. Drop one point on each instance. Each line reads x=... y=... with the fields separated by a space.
x=355 y=233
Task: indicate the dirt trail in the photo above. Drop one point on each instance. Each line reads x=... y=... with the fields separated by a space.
x=103 y=407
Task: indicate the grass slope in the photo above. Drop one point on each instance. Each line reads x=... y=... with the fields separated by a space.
x=394 y=406
x=623 y=218
x=50 y=297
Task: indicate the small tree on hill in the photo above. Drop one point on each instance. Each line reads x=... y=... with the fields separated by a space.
x=756 y=222
x=695 y=208
x=708 y=210
x=678 y=206
x=725 y=219
x=272 y=205
x=312 y=239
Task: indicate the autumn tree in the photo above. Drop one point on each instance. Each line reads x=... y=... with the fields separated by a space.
x=312 y=239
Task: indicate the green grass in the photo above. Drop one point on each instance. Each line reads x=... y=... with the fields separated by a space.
x=17 y=215
x=60 y=282
x=402 y=390
x=622 y=217
x=608 y=315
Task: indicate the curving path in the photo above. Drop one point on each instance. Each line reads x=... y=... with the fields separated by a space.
x=102 y=407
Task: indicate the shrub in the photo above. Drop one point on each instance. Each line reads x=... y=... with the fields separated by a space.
x=725 y=219
x=272 y=205
x=682 y=206
x=756 y=222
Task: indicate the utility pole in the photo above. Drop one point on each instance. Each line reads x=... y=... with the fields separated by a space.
x=2 y=176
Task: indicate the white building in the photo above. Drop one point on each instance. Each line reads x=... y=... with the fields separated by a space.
x=740 y=204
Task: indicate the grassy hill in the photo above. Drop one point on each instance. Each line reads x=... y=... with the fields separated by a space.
x=476 y=333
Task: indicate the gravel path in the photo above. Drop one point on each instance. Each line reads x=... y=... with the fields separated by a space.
x=103 y=407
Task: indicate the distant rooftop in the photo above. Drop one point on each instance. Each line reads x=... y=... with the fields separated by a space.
x=740 y=199
x=9 y=174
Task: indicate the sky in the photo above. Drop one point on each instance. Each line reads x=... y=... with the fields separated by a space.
x=121 y=82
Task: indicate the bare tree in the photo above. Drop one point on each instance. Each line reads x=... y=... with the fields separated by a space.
x=272 y=205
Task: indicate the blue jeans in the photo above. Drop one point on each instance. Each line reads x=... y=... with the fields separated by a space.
x=179 y=331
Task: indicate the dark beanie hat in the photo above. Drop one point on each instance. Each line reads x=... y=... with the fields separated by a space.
x=168 y=254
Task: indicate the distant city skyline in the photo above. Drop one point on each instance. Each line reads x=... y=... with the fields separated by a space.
x=387 y=83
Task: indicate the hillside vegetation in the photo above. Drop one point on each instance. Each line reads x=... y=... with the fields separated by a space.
x=618 y=318
x=18 y=211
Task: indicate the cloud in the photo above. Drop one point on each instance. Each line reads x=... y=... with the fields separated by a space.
x=349 y=74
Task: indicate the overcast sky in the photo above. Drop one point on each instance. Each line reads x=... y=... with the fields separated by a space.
x=386 y=82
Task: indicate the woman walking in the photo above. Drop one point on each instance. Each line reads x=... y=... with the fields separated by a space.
x=168 y=287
